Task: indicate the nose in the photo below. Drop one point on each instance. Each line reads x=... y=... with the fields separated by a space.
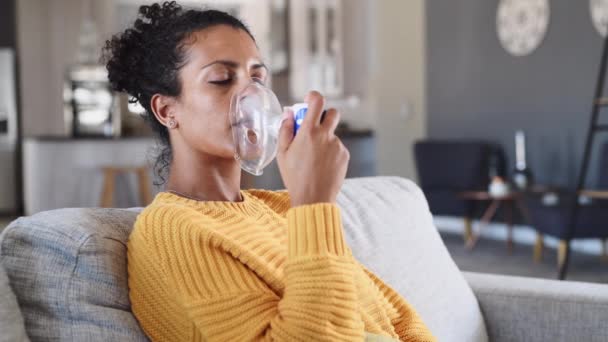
x=245 y=89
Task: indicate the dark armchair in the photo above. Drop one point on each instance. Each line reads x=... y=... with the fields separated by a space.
x=553 y=219
x=446 y=168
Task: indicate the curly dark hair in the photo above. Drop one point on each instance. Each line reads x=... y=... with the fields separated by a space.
x=145 y=59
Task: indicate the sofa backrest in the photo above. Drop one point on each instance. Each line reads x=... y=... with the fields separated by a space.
x=12 y=328
x=68 y=266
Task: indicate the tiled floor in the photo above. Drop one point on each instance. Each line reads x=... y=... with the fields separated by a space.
x=492 y=256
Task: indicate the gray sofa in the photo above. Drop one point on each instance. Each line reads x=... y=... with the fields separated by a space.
x=67 y=276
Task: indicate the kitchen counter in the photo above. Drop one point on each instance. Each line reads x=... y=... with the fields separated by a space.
x=60 y=172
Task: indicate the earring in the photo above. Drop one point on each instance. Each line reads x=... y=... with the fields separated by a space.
x=172 y=123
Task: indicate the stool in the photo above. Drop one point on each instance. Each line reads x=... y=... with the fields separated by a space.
x=109 y=180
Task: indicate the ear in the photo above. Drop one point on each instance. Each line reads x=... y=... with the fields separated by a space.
x=163 y=107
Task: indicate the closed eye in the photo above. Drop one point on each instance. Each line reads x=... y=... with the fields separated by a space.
x=222 y=82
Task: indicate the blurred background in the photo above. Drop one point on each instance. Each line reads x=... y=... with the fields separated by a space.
x=485 y=104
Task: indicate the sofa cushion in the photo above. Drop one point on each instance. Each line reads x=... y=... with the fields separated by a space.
x=390 y=229
x=68 y=266
x=11 y=321
x=68 y=270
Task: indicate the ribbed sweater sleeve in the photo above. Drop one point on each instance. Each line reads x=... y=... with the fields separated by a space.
x=225 y=300
x=320 y=301
x=408 y=324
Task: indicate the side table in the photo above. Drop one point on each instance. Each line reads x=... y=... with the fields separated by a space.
x=509 y=201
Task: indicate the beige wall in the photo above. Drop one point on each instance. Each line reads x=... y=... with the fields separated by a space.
x=47 y=42
x=397 y=82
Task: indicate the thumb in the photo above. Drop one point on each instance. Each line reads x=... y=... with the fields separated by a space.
x=286 y=131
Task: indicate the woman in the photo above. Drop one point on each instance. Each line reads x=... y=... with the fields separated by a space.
x=208 y=261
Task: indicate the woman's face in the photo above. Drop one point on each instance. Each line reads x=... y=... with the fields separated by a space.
x=220 y=61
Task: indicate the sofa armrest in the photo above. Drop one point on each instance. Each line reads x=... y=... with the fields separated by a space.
x=530 y=309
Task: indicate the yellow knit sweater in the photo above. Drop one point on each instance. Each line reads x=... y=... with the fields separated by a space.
x=257 y=270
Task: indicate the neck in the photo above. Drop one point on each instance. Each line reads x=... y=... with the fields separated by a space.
x=206 y=178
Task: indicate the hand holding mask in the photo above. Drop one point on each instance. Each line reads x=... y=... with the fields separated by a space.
x=255 y=118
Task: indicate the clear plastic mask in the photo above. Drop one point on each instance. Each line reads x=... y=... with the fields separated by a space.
x=255 y=118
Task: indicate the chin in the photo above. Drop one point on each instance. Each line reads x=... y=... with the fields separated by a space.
x=217 y=151
x=228 y=151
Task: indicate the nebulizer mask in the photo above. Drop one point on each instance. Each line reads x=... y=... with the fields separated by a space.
x=255 y=117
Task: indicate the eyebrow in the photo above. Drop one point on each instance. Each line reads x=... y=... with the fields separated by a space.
x=233 y=64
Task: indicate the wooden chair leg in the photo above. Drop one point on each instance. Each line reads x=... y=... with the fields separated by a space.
x=562 y=250
x=468 y=229
x=107 y=195
x=144 y=186
x=484 y=222
x=538 y=248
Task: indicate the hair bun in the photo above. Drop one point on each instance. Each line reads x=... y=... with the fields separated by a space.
x=155 y=14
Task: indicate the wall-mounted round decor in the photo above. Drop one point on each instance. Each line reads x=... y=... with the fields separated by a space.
x=522 y=25
x=599 y=15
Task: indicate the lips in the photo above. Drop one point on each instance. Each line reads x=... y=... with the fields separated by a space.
x=243 y=122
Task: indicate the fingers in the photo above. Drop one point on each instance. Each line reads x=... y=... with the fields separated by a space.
x=286 y=131
x=316 y=103
x=331 y=120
